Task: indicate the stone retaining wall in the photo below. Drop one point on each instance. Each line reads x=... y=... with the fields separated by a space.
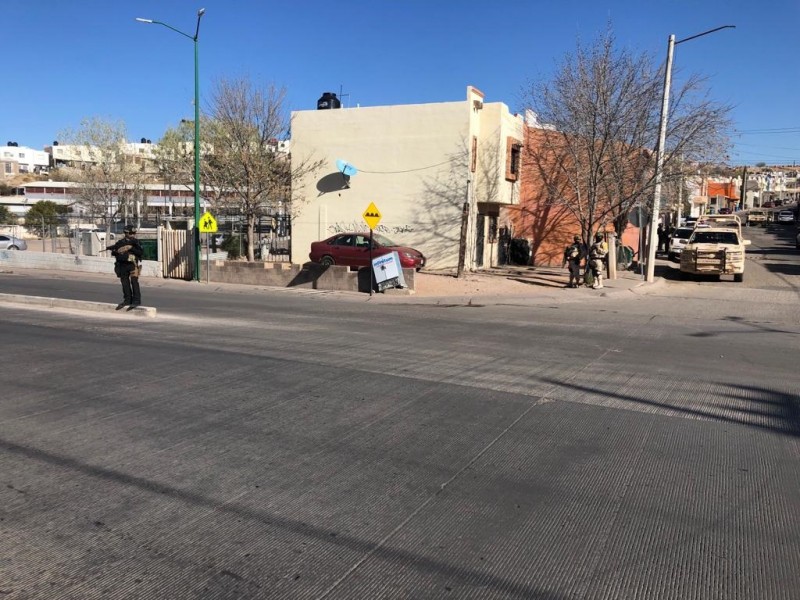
x=21 y=259
x=309 y=275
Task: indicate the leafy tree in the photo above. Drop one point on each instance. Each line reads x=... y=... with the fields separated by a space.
x=43 y=216
x=243 y=166
x=592 y=145
x=5 y=215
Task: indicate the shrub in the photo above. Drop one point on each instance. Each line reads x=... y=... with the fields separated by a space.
x=234 y=245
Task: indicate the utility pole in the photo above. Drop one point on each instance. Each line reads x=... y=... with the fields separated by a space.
x=660 y=149
x=743 y=189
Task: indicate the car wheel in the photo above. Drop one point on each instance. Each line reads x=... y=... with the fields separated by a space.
x=738 y=277
x=12 y=248
x=327 y=261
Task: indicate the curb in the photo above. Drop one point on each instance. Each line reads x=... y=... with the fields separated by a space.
x=659 y=282
x=103 y=307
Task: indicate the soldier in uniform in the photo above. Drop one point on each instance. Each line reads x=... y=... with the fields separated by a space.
x=573 y=255
x=597 y=256
x=128 y=265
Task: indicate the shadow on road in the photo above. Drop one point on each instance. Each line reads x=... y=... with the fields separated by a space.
x=784 y=418
x=508 y=588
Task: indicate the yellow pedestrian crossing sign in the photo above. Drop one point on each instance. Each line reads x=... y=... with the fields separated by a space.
x=208 y=224
x=372 y=215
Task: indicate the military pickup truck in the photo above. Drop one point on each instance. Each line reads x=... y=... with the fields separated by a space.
x=757 y=217
x=714 y=251
x=722 y=221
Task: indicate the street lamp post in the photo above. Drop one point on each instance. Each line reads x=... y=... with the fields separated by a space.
x=662 y=135
x=195 y=230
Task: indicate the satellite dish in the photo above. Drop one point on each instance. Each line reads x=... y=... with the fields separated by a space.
x=346 y=168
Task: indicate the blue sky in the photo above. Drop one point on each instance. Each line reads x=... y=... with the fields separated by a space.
x=80 y=58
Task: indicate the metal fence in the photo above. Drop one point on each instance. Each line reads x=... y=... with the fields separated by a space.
x=64 y=234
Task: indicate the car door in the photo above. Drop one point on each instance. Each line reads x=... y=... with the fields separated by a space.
x=343 y=249
x=5 y=242
x=361 y=254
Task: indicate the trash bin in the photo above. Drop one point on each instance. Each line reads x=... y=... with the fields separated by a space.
x=149 y=249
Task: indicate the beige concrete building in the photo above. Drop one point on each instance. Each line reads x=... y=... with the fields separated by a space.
x=419 y=164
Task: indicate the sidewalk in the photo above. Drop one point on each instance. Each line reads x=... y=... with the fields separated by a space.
x=499 y=285
x=507 y=283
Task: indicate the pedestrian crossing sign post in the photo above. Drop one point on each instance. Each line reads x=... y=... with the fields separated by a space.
x=372 y=215
x=208 y=224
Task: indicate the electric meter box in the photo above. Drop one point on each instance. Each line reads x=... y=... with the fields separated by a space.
x=388 y=271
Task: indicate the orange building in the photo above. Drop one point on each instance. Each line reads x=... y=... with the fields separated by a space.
x=727 y=194
x=539 y=217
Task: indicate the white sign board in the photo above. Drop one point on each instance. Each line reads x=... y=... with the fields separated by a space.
x=388 y=271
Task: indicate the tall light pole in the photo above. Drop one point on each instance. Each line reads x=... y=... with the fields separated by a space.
x=195 y=230
x=662 y=135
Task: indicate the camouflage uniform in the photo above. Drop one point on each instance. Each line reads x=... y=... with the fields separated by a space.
x=573 y=255
x=597 y=256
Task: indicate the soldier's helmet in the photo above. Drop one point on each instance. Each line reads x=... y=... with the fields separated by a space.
x=129 y=229
x=598 y=237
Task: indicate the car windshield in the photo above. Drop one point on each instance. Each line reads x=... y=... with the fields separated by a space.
x=714 y=237
x=683 y=233
x=382 y=240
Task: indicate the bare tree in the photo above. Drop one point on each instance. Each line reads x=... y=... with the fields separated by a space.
x=111 y=180
x=592 y=145
x=245 y=166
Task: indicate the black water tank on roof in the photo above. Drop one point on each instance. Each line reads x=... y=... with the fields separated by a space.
x=328 y=100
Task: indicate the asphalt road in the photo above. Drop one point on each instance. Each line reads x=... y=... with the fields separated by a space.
x=253 y=443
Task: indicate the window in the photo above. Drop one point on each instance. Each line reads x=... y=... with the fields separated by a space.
x=343 y=240
x=8 y=168
x=513 y=158
x=714 y=237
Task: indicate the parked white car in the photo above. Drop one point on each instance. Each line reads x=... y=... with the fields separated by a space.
x=678 y=240
x=9 y=242
x=785 y=216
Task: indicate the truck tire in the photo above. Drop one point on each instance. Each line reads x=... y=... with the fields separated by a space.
x=738 y=277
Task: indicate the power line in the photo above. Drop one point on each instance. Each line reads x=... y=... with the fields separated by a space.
x=767 y=131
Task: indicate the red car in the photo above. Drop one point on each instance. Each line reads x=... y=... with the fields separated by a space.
x=352 y=250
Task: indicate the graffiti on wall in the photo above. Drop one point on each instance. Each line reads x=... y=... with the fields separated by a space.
x=343 y=226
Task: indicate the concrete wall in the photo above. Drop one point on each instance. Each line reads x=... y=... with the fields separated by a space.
x=414 y=163
x=406 y=156
x=68 y=262
x=309 y=275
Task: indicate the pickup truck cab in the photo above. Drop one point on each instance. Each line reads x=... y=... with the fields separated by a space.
x=714 y=251
x=757 y=217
